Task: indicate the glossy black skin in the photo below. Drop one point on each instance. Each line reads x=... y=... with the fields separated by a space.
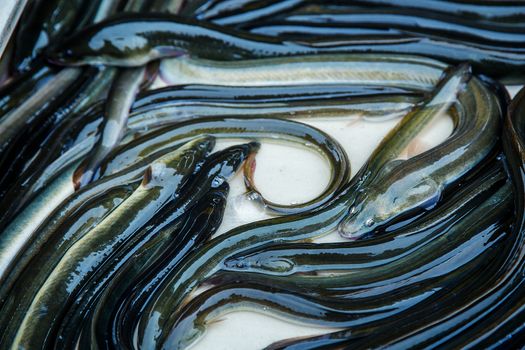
x=263 y=94
x=506 y=320
x=155 y=192
x=344 y=337
x=127 y=83
x=213 y=173
x=94 y=307
x=38 y=125
x=493 y=315
x=199 y=268
x=476 y=104
x=62 y=229
x=303 y=258
x=124 y=88
x=493 y=10
x=164 y=138
x=231 y=13
x=208 y=259
x=23 y=150
x=312 y=32
x=508 y=325
x=78 y=214
x=60 y=138
x=510 y=12
x=496 y=318
x=155 y=36
x=58 y=232
x=415 y=23
x=319 y=311
x=201 y=222
x=15 y=91
x=39 y=257
x=41 y=254
x=419 y=33
x=351 y=338
x=41 y=142
x=355 y=309
x=58 y=18
x=71 y=131
x=81 y=117
x=47 y=22
x=460 y=286
x=370 y=303
x=274 y=230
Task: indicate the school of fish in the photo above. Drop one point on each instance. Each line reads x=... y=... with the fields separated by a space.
x=113 y=190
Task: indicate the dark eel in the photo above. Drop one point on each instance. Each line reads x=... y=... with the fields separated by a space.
x=162 y=181
x=370 y=302
x=146 y=246
x=130 y=40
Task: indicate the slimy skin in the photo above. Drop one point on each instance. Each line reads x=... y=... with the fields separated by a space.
x=129 y=40
x=120 y=98
x=161 y=180
x=134 y=40
x=417 y=184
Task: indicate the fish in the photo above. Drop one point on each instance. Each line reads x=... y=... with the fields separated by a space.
x=20 y=231
x=487 y=317
x=59 y=226
x=129 y=40
x=161 y=181
x=499 y=12
x=254 y=128
x=416 y=120
x=410 y=22
x=42 y=24
x=393 y=196
x=23 y=148
x=402 y=71
x=68 y=139
x=120 y=98
x=12 y=122
x=383 y=264
x=230 y=13
x=101 y=43
x=69 y=221
x=14 y=12
x=266 y=94
x=376 y=106
x=39 y=167
x=161 y=312
x=30 y=218
x=493 y=317
x=198 y=225
x=306 y=258
x=448 y=291
x=217 y=169
x=74 y=138
x=14 y=91
x=106 y=234
x=367 y=304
